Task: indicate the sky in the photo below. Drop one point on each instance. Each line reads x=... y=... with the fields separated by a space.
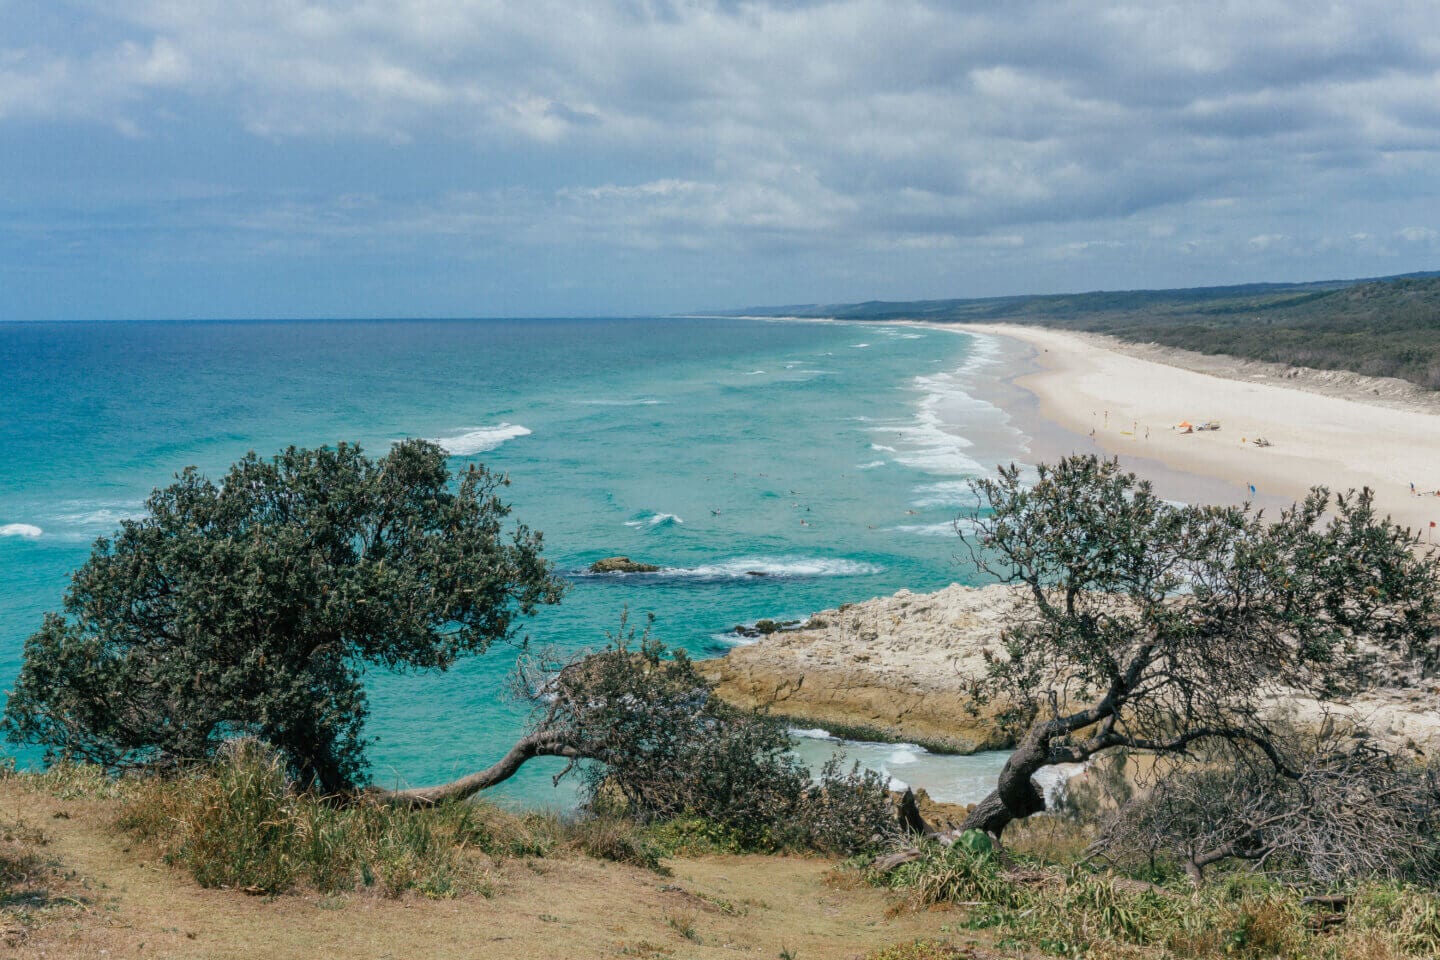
x=399 y=158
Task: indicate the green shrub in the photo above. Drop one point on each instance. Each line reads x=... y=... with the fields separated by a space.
x=960 y=872
x=238 y=823
x=1081 y=913
x=665 y=748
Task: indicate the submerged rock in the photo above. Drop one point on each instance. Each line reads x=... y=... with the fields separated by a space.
x=622 y=565
x=763 y=628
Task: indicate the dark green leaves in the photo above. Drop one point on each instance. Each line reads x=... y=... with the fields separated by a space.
x=252 y=606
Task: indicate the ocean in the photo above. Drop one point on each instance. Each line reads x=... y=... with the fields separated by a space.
x=832 y=457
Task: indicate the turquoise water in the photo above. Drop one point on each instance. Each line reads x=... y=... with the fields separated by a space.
x=831 y=457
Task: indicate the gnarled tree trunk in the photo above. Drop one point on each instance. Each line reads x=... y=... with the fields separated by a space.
x=541 y=743
x=1015 y=795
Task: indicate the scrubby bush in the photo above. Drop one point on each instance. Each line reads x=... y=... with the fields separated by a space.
x=660 y=746
x=1347 y=811
x=239 y=823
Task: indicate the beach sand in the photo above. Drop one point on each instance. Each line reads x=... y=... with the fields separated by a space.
x=1340 y=430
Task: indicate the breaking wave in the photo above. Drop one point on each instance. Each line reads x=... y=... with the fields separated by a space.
x=757 y=568
x=654 y=520
x=480 y=439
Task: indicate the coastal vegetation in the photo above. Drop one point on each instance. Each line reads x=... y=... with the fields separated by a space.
x=1163 y=630
x=1383 y=328
x=1151 y=643
x=251 y=607
x=651 y=742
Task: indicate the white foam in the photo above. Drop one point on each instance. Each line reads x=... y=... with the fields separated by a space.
x=871 y=465
x=480 y=439
x=747 y=567
x=732 y=639
x=905 y=753
x=882 y=448
x=654 y=520
x=754 y=373
x=946 y=493
x=859 y=346
x=946 y=529
x=27 y=530
x=984 y=352
x=814 y=733
x=107 y=517
x=894 y=334
x=930 y=446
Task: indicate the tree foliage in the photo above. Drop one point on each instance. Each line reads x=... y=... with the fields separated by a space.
x=1175 y=630
x=652 y=742
x=252 y=606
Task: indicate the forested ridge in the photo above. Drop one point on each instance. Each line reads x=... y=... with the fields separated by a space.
x=1388 y=327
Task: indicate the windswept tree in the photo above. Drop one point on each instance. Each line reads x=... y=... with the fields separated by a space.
x=253 y=606
x=644 y=730
x=1174 y=630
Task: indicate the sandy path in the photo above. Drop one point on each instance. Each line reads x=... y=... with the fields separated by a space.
x=1132 y=403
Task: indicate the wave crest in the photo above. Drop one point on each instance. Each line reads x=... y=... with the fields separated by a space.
x=636 y=402
x=480 y=439
x=756 y=568
x=782 y=567
x=654 y=520
x=27 y=530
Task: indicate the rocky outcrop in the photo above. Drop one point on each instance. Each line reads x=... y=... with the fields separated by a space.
x=622 y=565
x=900 y=668
x=894 y=667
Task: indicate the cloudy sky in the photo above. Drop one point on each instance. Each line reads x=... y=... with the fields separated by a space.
x=236 y=158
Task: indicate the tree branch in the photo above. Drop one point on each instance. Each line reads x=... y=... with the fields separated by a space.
x=541 y=743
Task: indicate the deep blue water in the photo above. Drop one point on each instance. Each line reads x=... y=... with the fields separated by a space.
x=832 y=457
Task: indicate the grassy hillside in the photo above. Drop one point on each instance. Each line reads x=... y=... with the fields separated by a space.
x=1386 y=328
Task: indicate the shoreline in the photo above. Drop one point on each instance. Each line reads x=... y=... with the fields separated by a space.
x=1339 y=437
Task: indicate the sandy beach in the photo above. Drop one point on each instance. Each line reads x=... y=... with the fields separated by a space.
x=1340 y=430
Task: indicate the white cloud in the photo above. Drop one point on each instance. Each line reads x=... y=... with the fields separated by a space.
x=744 y=125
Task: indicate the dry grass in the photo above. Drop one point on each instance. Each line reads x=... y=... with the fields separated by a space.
x=108 y=896
x=559 y=905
